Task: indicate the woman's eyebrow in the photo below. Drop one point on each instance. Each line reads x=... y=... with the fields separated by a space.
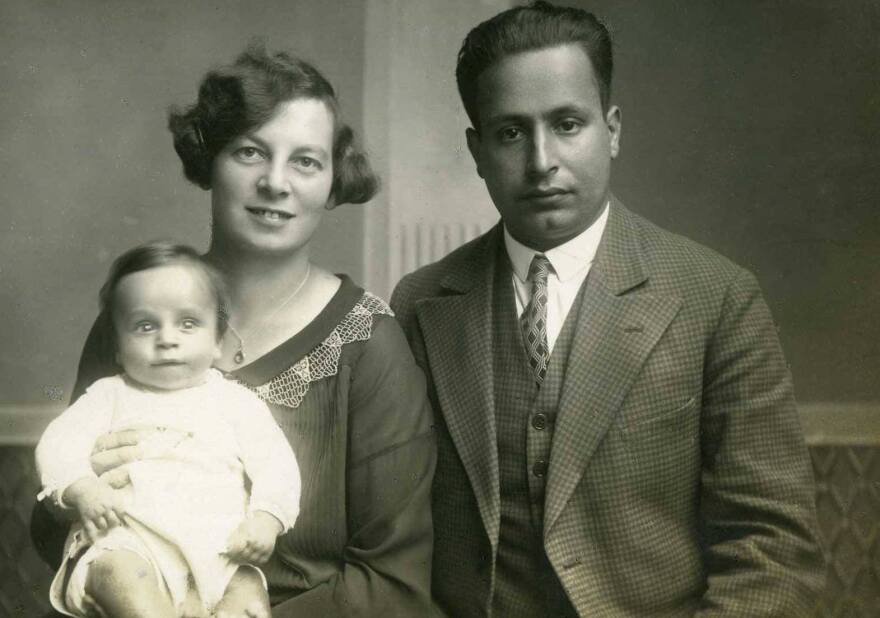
x=314 y=149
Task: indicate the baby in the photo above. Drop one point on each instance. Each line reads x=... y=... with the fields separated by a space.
x=216 y=481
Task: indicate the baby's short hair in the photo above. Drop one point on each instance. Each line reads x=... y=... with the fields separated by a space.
x=162 y=253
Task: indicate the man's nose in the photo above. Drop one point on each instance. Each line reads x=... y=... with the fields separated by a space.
x=275 y=182
x=542 y=155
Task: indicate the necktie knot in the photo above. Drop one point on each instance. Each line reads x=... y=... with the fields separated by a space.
x=539 y=269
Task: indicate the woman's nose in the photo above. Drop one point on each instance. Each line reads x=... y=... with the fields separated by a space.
x=274 y=182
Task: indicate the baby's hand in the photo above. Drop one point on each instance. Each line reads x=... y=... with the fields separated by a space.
x=100 y=507
x=254 y=539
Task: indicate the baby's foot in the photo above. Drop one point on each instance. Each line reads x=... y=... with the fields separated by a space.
x=192 y=605
x=245 y=596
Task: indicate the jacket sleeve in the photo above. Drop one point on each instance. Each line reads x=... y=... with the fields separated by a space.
x=48 y=530
x=392 y=454
x=758 y=521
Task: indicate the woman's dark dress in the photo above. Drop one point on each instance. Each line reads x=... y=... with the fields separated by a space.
x=351 y=401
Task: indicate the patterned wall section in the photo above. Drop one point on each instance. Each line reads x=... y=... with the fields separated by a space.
x=24 y=578
x=848 y=504
x=848 y=499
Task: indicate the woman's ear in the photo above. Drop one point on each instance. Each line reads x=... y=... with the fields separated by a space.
x=331 y=203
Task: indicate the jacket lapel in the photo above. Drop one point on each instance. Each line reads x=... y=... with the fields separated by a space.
x=617 y=328
x=457 y=329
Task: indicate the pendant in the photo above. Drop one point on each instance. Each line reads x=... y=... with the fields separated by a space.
x=238 y=358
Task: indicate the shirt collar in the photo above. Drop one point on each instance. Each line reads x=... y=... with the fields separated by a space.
x=568 y=259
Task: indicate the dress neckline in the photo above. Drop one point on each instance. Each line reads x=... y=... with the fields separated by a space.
x=262 y=369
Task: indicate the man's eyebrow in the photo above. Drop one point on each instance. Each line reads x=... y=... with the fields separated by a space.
x=569 y=109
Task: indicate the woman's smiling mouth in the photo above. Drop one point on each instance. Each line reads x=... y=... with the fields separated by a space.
x=268 y=214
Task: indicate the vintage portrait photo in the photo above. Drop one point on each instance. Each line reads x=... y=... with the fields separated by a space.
x=441 y=308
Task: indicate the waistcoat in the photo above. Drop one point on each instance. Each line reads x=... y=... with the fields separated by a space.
x=525 y=416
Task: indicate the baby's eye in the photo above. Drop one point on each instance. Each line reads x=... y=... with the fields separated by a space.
x=144 y=327
x=248 y=154
x=189 y=324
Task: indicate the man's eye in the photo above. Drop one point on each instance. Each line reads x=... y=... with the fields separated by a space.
x=248 y=154
x=510 y=134
x=568 y=126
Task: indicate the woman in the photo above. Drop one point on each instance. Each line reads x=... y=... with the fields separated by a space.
x=265 y=138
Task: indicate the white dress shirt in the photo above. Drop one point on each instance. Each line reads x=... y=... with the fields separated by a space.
x=571 y=263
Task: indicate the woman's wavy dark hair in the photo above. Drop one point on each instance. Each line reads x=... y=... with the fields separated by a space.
x=245 y=95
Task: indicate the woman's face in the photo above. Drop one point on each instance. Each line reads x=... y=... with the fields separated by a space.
x=269 y=187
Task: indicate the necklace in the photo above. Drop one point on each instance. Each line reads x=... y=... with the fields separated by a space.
x=240 y=355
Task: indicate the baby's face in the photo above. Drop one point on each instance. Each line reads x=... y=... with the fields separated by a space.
x=166 y=326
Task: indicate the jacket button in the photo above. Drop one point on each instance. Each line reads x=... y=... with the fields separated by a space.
x=539 y=421
x=539 y=468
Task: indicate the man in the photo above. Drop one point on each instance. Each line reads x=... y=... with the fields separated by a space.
x=617 y=431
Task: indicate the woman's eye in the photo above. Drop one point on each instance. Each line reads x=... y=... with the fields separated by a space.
x=248 y=154
x=308 y=163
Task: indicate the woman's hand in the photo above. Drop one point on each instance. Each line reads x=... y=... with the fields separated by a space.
x=254 y=539
x=114 y=450
x=100 y=507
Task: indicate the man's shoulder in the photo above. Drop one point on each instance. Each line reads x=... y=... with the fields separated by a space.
x=668 y=255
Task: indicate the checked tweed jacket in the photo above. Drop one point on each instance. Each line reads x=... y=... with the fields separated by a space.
x=679 y=483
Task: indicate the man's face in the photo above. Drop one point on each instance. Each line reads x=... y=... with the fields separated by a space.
x=544 y=145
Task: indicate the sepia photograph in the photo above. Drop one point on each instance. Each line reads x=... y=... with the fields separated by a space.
x=464 y=308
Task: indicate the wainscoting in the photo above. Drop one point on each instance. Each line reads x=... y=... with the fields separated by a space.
x=844 y=444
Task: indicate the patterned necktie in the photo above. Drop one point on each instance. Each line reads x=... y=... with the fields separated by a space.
x=533 y=320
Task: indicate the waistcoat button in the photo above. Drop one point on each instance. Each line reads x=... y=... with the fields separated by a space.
x=539 y=468
x=539 y=421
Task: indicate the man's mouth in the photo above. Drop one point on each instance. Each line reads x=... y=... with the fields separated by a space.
x=269 y=214
x=542 y=193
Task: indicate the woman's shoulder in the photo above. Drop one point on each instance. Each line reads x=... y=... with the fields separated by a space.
x=369 y=319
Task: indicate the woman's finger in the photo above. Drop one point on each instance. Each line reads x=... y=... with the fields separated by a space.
x=116 y=478
x=126 y=437
x=103 y=461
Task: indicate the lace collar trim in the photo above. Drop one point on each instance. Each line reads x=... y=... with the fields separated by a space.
x=289 y=387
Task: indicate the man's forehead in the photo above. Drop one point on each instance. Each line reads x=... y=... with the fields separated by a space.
x=537 y=82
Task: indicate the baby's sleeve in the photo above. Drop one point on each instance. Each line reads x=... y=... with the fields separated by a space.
x=268 y=460
x=65 y=447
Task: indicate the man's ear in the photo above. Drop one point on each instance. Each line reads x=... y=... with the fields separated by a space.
x=613 y=122
x=473 y=142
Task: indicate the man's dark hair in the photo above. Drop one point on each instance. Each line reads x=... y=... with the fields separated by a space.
x=525 y=28
x=240 y=97
x=163 y=253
